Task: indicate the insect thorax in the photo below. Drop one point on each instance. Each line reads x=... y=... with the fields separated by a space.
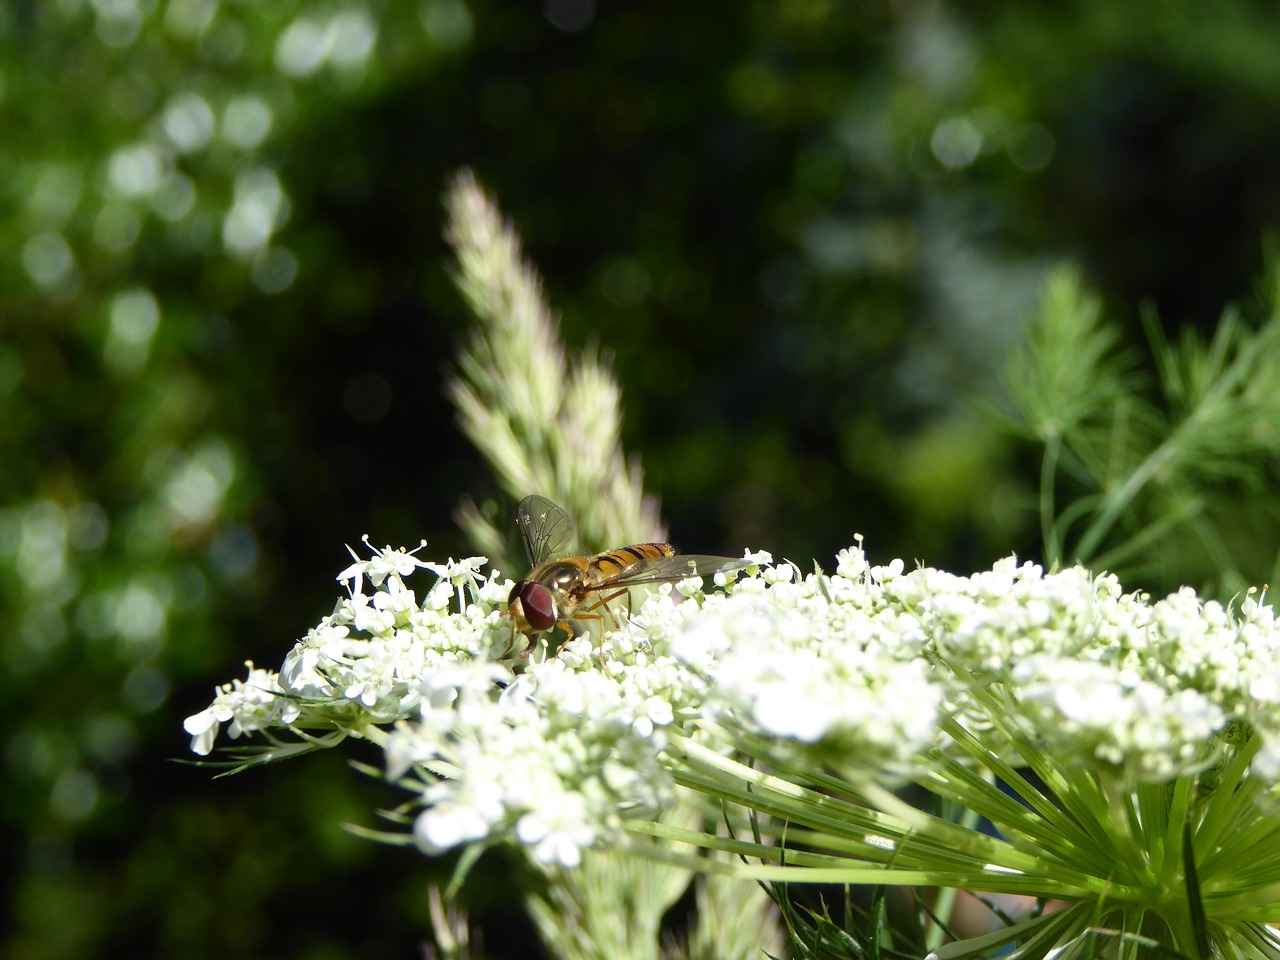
x=558 y=576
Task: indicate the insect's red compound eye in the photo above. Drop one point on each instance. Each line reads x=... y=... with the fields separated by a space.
x=537 y=603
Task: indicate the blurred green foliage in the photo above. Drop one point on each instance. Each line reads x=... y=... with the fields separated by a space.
x=805 y=231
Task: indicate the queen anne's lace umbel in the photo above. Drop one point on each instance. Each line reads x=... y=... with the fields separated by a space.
x=854 y=671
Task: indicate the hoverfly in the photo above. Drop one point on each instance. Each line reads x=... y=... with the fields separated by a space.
x=562 y=586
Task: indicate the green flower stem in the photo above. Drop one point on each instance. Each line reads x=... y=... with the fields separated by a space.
x=944 y=905
x=1089 y=824
x=1047 y=826
x=847 y=873
x=1139 y=544
x=1234 y=801
x=888 y=840
x=1260 y=941
x=1115 y=502
x=1048 y=512
x=1047 y=928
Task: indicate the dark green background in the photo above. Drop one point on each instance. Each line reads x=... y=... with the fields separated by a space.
x=806 y=233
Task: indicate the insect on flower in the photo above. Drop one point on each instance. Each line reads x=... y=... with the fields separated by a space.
x=563 y=586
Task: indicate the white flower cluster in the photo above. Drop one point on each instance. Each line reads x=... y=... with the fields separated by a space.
x=245 y=706
x=819 y=663
x=850 y=672
x=1096 y=674
x=365 y=665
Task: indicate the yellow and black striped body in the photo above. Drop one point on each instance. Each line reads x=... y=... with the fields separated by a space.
x=572 y=587
x=617 y=564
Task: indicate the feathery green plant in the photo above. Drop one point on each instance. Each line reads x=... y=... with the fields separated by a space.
x=547 y=423
x=1168 y=475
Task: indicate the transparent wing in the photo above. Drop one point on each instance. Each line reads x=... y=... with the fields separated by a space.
x=668 y=570
x=545 y=530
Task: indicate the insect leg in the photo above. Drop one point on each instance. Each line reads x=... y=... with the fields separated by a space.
x=604 y=602
x=559 y=624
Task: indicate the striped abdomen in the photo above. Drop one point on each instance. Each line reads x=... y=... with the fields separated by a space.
x=615 y=564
